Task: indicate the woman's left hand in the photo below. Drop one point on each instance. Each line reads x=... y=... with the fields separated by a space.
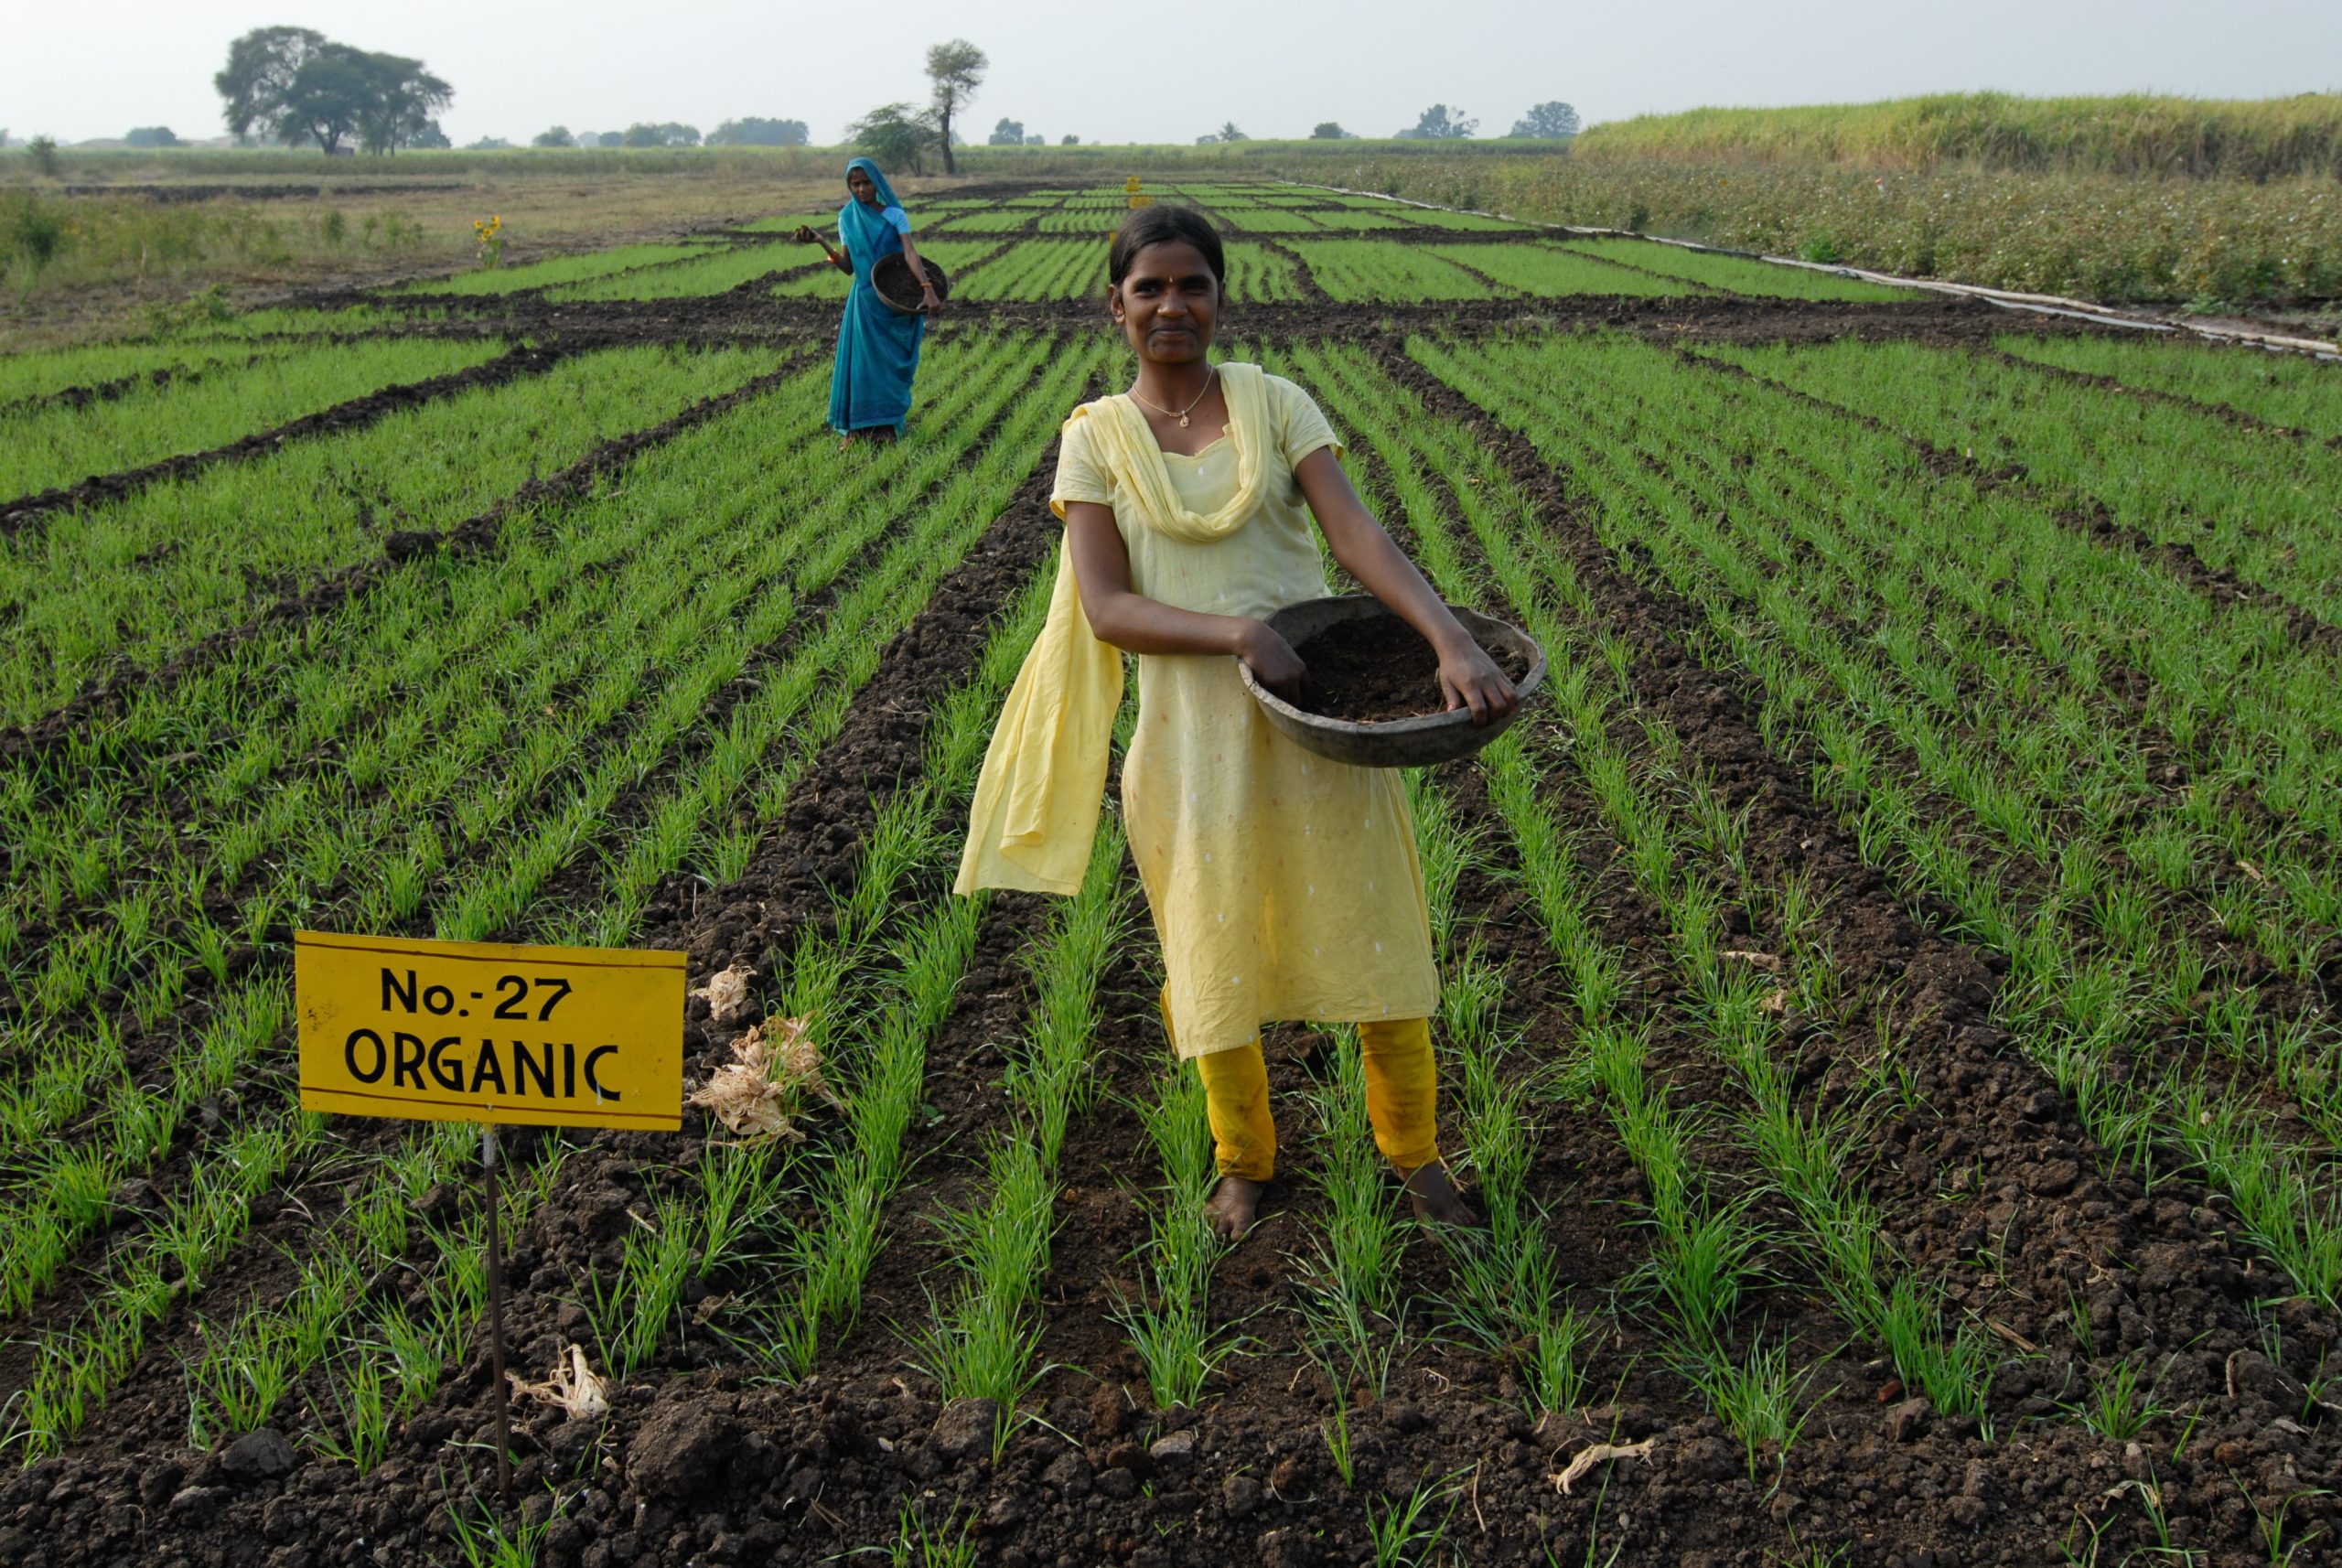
x=932 y=302
x=1469 y=678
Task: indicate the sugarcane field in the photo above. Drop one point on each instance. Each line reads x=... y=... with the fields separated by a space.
x=1284 y=852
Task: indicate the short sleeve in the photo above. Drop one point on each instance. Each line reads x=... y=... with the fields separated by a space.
x=1300 y=424
x=898 y=220
x=1080 y=476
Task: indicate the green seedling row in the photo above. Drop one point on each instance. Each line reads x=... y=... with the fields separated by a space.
x=983 y=1335
x=53 y=447
x=364 y=826
x=1381 y=215
x=883 y=593
x=553 y=271
x=353 y=818
x=27 y=376
x=2071 y=1007
x=2247 y=501
x=1258 y=272
x=718 y=274
x=1265 y=220
x=1548 y=271
x=2291 y=389
x=1738 y=275
x=1354 y=271
x=1040 y=268
x=354 y=708
x=990 y=223
x=1666 y=844
x=144 y=576
x=827 y=282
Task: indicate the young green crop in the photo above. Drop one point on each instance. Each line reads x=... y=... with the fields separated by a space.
x=2247 y=501
x=1549 y=271
x=590 y=265
x=705 y=275
x=56 y=446
x=2291 y=389
x=2061 y=1003
x=128 y=579
x=1738 y=275
x=1354 y=271
x=31 y=378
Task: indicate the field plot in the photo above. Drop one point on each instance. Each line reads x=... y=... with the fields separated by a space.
x=1886 y=1014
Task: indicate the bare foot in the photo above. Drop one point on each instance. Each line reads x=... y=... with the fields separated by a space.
x=1436 y=1198
x=1235 y=1204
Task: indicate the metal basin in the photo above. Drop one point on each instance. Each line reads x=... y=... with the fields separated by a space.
x=1400 y=743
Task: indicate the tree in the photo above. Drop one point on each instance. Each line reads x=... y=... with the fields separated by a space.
x=430 y=137
x=558 y=137
x=42 y=150
x=667 y=134
x=1554 y=119
x=1036 y=139
x=297 y=85
x=1438 y=125
x=259 y=75
x=151 y=136
x=401 y=98
x=1007 y=133
x=895 y=134
x=755 y=133
x=1331 y=131
x=489 y=145
x=956 y=69
x=1069 y=140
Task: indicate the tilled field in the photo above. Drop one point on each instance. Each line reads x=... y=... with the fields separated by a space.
x=1886 y=974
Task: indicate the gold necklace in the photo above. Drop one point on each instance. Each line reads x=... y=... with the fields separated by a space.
x=1182 y=414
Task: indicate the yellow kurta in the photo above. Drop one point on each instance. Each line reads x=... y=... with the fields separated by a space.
x=1282 y=885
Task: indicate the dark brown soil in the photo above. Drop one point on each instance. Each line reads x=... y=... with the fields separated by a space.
x=893 y=279
x=1378 y=668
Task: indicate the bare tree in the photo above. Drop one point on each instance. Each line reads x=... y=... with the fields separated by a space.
x=957 y=69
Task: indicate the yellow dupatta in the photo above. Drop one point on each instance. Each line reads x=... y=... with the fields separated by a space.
x=1037 y=801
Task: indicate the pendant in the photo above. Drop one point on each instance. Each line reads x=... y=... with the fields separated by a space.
x=1183 y=422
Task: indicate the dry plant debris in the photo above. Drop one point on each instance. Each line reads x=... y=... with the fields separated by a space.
x=1598 y=1454
x=726 y=992
x=759 y=1092
x=574 y=1387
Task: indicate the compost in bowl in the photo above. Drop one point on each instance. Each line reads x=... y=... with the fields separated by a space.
x=897 y=286
x=1380 y=684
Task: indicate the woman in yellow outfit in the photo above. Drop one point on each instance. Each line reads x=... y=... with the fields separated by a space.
x=1282 y=885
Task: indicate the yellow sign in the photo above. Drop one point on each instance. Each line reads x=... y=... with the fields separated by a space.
x=490 y=1031
x=1130 y=185
x=1139 y=201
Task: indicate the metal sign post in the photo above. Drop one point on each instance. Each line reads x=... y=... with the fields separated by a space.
x=492 y=1158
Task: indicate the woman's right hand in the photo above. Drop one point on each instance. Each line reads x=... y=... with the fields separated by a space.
x=805 y=235
x=1274 y=662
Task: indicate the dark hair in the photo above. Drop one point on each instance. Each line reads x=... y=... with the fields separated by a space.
x=1161 y=224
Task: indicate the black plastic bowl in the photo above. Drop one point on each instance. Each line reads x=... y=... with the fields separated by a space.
x=1398 y=742
x=898 y=288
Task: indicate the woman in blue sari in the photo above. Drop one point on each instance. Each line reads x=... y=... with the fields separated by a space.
x=870 y=389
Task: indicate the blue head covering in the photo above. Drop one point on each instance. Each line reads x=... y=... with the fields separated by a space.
x=867 y=224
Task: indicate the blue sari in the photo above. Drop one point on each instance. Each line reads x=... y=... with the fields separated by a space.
x=878 y=349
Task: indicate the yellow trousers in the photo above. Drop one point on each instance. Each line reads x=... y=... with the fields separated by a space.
x=1402 y=1100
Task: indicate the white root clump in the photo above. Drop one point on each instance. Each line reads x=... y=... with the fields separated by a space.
x=574 y=1387
x=1598 y=1454
x=757 y=1093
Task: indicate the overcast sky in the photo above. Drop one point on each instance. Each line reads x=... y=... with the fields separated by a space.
x=1163 y=70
